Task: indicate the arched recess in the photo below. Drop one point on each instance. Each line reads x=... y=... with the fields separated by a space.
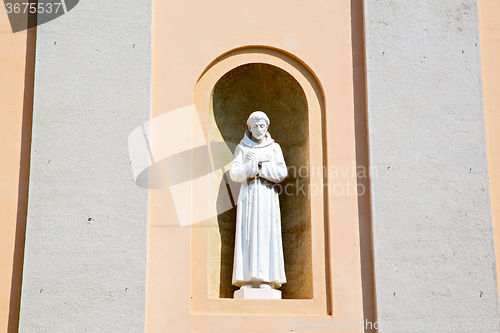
x=234 y=85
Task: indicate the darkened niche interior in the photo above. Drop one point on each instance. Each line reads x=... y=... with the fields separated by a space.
x=264 y=87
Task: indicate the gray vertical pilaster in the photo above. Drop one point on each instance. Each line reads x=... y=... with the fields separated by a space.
x=432 y=230
x=85 y=253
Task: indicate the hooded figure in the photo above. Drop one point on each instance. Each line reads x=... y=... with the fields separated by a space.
x=258 y=164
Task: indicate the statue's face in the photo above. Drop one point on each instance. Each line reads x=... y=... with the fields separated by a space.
x=259 y=129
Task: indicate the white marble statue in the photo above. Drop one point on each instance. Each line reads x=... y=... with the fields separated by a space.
x=258 y=164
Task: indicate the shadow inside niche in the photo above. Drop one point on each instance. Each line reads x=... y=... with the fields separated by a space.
x=226 y=224
x=236 y=95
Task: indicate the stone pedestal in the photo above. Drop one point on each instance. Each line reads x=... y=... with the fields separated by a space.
x=257 y=293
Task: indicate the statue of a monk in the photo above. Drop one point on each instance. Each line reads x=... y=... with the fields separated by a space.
x=258 y=164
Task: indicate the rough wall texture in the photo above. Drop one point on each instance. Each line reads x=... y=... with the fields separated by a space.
x=85 y=260
x=433 y=243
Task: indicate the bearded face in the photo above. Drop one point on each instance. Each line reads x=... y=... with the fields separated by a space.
x=259 y=129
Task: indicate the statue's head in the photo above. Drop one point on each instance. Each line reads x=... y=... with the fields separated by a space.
x=258 y=123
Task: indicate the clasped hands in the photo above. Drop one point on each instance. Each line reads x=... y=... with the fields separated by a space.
x=260 y=158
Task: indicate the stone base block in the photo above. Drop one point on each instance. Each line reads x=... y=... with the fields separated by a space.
x=257 y=293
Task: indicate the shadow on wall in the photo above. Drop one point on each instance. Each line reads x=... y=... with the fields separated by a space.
x=362 y=160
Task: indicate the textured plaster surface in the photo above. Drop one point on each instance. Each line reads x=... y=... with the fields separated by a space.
x=432 y=230
x=85 y=260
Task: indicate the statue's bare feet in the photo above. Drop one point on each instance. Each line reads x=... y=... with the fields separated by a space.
x=265 y=286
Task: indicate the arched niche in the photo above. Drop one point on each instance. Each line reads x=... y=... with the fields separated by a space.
x=231 y=88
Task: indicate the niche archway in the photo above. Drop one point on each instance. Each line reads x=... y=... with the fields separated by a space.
x=231 y=87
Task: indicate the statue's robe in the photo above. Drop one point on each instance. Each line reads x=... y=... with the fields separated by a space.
x=258 y=250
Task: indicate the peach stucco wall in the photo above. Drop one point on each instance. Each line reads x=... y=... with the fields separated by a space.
x=187 y=38
x=16 y=96
x=489 y=29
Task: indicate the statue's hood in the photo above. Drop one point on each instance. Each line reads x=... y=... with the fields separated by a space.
x=252 y=144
